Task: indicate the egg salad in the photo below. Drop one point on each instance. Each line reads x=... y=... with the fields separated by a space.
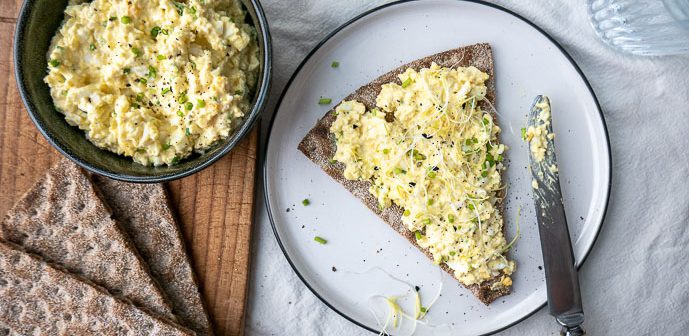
x=155 y=80
x=428 y=147
x=537 y=136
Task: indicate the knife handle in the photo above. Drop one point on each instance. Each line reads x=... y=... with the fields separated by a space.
x=572 y=331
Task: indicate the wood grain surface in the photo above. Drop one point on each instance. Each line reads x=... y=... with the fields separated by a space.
x=215 y=206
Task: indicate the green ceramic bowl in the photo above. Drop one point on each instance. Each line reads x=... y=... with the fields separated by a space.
x=38 y=22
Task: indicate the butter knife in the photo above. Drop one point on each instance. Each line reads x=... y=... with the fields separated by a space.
x=562 y=282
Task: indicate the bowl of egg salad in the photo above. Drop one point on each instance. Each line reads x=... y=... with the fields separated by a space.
x=143 y=90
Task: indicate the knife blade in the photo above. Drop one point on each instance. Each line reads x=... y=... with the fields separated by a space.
x=562 y=281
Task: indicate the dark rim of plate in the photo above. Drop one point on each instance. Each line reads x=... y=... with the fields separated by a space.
x=261 y=97
x=355 y=19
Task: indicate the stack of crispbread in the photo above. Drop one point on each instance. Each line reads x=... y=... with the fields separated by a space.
x=84 y=254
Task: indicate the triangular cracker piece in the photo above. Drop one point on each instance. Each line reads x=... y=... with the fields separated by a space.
x=144 y=212
x=37 y=298
x=62 y=219
x=320 y=147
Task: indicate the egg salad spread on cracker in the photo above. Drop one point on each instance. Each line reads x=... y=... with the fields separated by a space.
x=155 y=80
x=429 y=148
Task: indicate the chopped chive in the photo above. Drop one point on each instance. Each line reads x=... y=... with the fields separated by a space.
x=236 y=92
x=54 y=63
x=430 y=201
x=175 y=160
x=386 y=151
x=165 y=90
x=432 y=174
x=139 y=96
x=320 y=240
x=200 y=103
x=182 y=98
x=406 y=213
x=152 y=72
x=451 y=218
x=92 y=47
x=166 y=146
x=188 y=106
x=143 y=81
x=305 y=202
x=499 y=158
x=192 y=10
x=112 y=18
x=155 y=31
x=164 y=31
x=180 y=7
x=400 y=171
x=523 y=133
x=136 y=51
x=325 y=101
x=486 y=121
x=187 y=131
x=406 y=82
x=426 y=221
x=452 y=253
x=126 y=70
x=126 y=20
x=470 y=206
x=160 y=57
x=423 y=309
x=180 y=113
x=335 y=64
x=418 y=235
x=484 y=173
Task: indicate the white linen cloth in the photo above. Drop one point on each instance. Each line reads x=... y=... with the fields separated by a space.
x=636 y=279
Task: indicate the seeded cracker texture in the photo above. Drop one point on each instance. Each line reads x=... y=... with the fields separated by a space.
x=319 y=145
x=63 y=219
x=145 y=213
x=37 y=298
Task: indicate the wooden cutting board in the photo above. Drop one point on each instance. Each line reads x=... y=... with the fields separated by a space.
x=215 y=206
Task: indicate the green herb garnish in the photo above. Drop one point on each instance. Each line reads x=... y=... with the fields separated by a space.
x=188 y=106
x=166 y=146
x=400 y=171
x=325 y=101
x=335 y=64
x=187 y=131
x=155 y=31
x=180 y=113
x=305 y=202
x=54 y=63
x=136 y=51
x=200 y=103
x=406 y=82
x=451 y=218
x=320 y=240
x=152 y=72
x=126 y=20
x=160 y=57
x=406 y=213
x=92 y=47
x=523 y=133
x=418 y=235
x=165 y=90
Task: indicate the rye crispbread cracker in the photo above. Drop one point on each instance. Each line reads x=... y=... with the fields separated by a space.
x=37 y=298
x=63 y=220
x=144 y=212
x=319 y=145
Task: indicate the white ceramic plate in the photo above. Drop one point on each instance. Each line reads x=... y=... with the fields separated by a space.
x=527 y=63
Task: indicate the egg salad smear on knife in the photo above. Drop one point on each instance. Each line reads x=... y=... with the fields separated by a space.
x=429 y=148
x=155 y=80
